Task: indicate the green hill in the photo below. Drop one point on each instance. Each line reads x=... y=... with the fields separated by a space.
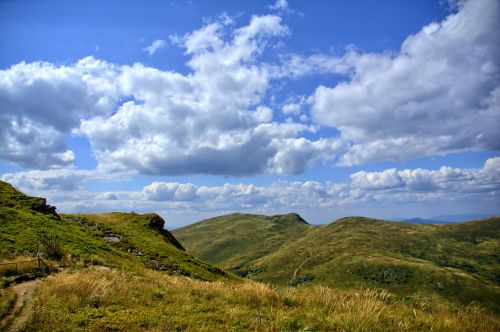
x=457 y=261
x=124 y=240
x=124 y=272
x=236 y=240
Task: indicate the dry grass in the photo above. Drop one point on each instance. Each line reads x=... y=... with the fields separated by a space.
x=29 y=264
x=96 y=300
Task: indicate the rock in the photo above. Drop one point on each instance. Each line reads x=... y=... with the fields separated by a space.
x=155 y=221
x=111 y=239
x=39 y=204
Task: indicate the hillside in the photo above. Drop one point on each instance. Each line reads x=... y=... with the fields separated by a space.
x=125 y=272
x=457 y=261
x=235 y=241
x=125 y=240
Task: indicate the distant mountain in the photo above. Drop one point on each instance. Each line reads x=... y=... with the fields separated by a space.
x=458 y=261
x=424 y=221
x=462 y=217
x=445 y=219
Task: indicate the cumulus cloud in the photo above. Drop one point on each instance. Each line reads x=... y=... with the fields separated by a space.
x=211 y=121
x=38 y=181
x=155 y=46
x=294 y=107
x=41 y=103
x=276 y=196
x=440 y=93
x=444 y=183
x=391 y=186
x=184 y=202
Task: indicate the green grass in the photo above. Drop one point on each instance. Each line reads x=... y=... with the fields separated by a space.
x=456 y=261
x=7 y=299
x=65 y=241
x=235 y=241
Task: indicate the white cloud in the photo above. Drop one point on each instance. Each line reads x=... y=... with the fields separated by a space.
x=155 y=46
x=294 y=106
x=276 y=196
x=40 y=181
x=42 y=103
x=279 y=5
x=443 y=184
x=107 y=196
x=417 y=188
x=440 y=93
x=211 y=121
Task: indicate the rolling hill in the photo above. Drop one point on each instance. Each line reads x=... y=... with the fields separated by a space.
x=125 y=240
x=457 y=261
x=239 y=239
x=125 y=272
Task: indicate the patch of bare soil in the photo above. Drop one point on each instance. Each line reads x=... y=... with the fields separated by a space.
x=18 y=314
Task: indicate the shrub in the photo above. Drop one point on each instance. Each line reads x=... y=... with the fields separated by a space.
x=52 y=247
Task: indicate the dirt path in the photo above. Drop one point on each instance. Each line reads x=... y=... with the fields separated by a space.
x=18 y=315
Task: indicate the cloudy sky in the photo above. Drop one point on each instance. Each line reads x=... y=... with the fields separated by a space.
x=197 y=108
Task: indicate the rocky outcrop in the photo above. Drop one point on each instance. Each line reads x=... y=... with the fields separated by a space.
x=39 y=204
x=158 y=223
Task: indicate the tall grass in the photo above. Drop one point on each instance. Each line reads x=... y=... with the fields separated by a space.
x=95 y=300
x=7 y=299
x=18 y=266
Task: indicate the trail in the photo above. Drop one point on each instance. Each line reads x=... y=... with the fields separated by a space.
x=310 y=254
x=18 y=314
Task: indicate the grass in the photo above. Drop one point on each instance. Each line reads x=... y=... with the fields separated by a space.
x=235 y=241
x=158 y=247
x=95 y=300
x=455 y=261
x=124 y=272
x=27 y=265
x=7 y=300
x=67 y=242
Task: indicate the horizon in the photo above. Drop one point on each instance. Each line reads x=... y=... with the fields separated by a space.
x=192 y=109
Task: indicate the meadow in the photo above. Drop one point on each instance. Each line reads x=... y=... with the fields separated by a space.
x=125 y=272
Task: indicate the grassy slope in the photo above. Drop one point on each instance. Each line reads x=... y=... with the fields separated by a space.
x=133 y=295
x=21 y=228
x=236 y=240
x=457 y=261
x=99 y=300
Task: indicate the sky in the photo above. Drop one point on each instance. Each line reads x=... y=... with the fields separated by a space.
x=193 y=109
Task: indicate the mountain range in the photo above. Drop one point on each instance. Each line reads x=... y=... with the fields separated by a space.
x=238 y=272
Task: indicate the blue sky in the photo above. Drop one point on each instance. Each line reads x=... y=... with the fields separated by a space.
x=197 y=108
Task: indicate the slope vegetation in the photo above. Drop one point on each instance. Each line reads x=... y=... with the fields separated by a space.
x=456 y=261
x=235 y=241
x=124 y=240
x=124 y=272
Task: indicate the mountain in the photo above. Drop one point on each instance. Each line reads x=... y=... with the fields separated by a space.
x=462 y=217
x=424 y=221
x=457 y=261
x=237 y=240
x=28 y=224
x=124 y=271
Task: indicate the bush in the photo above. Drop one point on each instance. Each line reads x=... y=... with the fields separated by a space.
x=51 y=246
